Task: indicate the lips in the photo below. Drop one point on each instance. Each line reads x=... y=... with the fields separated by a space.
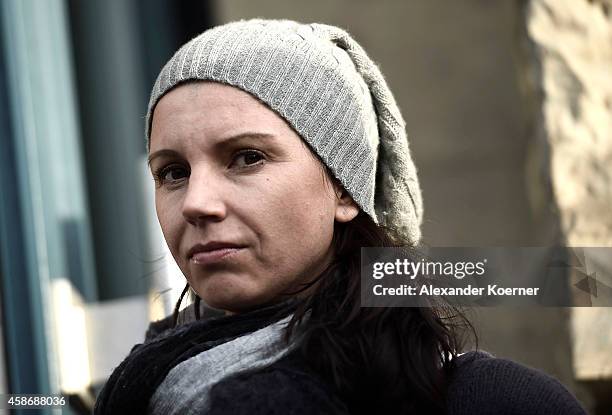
x=212 y=252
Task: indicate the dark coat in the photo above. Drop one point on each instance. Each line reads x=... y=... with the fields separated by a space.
x=480 y=383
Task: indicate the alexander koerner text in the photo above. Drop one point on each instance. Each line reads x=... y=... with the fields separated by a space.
x=492 y=289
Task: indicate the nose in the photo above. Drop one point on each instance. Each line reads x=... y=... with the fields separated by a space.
x=204 y=199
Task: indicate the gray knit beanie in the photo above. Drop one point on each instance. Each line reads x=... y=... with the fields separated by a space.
x=327 y=88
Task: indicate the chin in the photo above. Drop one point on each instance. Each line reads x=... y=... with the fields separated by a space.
x=230 y=294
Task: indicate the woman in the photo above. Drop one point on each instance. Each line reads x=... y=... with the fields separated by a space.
x=278 y=151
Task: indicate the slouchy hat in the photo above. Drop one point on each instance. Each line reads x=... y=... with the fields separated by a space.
x=325 y=86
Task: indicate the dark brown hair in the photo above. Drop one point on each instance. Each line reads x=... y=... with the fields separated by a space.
x=381 y=360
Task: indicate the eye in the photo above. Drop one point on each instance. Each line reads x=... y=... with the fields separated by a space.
x=171 y=174
x=248 y=158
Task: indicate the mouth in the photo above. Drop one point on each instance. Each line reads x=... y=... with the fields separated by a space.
x=212 y=252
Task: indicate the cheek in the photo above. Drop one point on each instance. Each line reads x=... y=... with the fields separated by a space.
x=300 y=218
x=312 y=203
x=169 y=220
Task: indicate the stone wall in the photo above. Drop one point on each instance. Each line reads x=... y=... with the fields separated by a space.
x=572 y=42
x=569 y=44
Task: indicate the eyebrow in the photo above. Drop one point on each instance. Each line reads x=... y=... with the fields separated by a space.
x=237 y=137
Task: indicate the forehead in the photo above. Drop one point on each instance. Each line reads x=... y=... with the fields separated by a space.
x=211 y=110
x=208 y=101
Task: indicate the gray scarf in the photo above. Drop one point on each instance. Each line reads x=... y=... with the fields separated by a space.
x=186 y=387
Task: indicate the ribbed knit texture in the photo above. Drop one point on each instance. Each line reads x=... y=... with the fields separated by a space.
x=327 y=88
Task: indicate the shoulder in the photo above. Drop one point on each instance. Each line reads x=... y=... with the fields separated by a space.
x=483 y=384
x=285 y=387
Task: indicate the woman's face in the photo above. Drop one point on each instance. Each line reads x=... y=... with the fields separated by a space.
x=241 y=200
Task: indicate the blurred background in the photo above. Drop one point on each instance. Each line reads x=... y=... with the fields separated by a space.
x=508 y=107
